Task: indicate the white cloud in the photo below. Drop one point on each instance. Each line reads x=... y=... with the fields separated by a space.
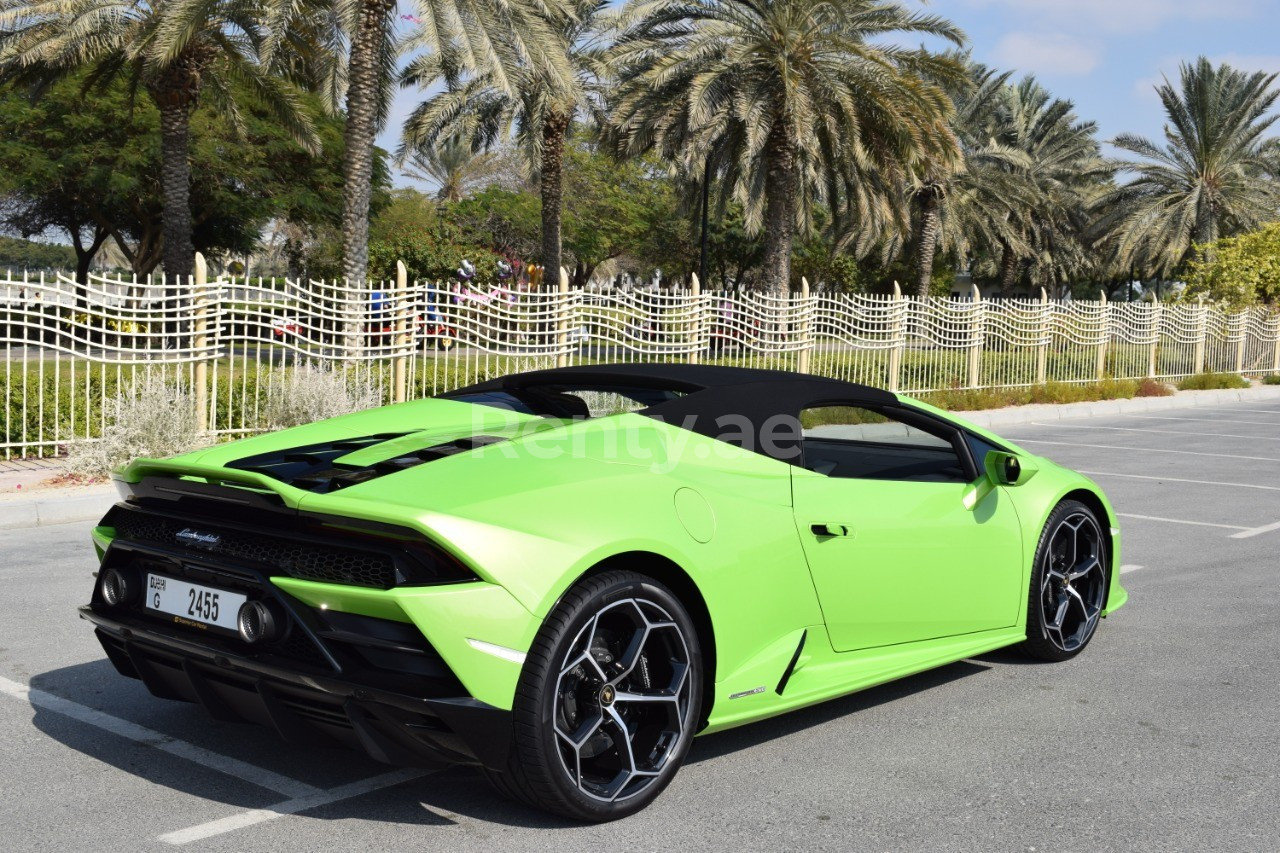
x=1047 y=53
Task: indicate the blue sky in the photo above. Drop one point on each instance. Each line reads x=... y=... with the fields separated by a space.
x=1105 y=55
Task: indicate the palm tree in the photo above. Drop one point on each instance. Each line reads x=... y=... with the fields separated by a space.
x=453 y=167
x=505 y=38
x=795 y=98
x=957 y=204
x=177 y=52
x=1214 y=176
x=483 y=108
x=1065 y=169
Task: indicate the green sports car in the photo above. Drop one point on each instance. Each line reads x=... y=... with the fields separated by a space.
x=562 y=576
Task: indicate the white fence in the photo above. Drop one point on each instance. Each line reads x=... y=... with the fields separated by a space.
x=67 y=349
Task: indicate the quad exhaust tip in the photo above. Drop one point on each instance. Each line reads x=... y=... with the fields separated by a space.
x=259 y=622
x=118 y=588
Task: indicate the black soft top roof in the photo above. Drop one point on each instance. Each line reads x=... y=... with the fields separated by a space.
x=729 y=403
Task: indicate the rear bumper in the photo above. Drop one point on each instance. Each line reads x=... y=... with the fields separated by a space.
x=305 y=707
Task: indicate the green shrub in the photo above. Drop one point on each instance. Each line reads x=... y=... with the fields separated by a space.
x=1273 y=379
x=1211 y=381
x=970 y=400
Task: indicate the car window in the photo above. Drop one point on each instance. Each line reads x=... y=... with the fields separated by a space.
x=858 y=443
x=565 y=401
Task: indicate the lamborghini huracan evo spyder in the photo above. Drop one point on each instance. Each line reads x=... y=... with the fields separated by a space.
x=562 y=576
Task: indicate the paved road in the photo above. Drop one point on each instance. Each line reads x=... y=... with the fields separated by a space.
x=1163 y=736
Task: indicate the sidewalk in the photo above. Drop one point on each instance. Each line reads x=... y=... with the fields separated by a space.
x=19 y=474
x=24 y=504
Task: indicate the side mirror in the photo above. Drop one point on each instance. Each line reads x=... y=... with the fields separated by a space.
x=1008 y=469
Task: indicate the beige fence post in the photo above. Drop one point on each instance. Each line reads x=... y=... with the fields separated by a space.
x=400 y=361
x=1105 y=338
x=898 y=336
x=1201 y=333
x=1275 y=360
x=804 y=357
x=1242 y=324
x=1156 y=313
x=1042 y=340
x=976 y=340
x=200 y=340
x=695 y=290
x=562 y=321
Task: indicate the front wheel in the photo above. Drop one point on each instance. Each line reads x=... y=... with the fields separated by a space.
x=607 y=702
x=1068 y=584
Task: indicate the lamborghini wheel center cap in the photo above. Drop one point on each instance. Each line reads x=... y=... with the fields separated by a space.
x=607 y=695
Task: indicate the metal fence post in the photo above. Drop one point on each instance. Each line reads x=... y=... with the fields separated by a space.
x=1105 y=338
x=1156 y=314
x=562 y=321
x=400 y=361
x=898 y=336
x=1201 y=333
x=976 y=339
x=804 y=357
x=199 y=341
x=1042 y=340
x=695 y=290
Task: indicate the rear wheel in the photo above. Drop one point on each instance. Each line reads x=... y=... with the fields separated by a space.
x=1068 y=585
x=608 y=700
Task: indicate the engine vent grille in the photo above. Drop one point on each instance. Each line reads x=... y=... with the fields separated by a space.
x=319 y=561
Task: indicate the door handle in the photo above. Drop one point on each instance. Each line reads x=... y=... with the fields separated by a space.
x=828 y=529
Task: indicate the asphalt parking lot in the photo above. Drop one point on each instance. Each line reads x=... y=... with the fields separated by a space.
x=1162 y=736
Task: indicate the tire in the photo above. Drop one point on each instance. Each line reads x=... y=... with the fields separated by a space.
x=1068 y=584
x=607 y=702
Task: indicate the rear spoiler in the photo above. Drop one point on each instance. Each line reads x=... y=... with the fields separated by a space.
x=158 y=479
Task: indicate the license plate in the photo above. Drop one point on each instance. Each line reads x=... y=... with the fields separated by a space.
x=190 y=604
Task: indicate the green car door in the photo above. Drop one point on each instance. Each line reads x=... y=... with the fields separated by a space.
x=905 y=539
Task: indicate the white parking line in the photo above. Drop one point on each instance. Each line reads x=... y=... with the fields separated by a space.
x=1143 y=449
x=1255 y=531
x=1130 y=567
x=1179 y=480
x=1165 y=431
x=1183 y=521
x=1210 y=420
x=140 y=734
x=288 y=807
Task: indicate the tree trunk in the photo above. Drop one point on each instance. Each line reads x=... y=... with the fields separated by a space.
x=926 y=241
x=179 y=253
x=551 y=181
x=84 y=260
x=364 y=89
x=1206 y=229
x=702 y=240
x=779 y=209
x=174 y=91
x=1008 y=270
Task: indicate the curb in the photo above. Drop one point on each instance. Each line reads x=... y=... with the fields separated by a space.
x=1036 y=412
x=87 y=505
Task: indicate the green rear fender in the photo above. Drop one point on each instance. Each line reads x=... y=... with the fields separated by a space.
x=479 y=629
